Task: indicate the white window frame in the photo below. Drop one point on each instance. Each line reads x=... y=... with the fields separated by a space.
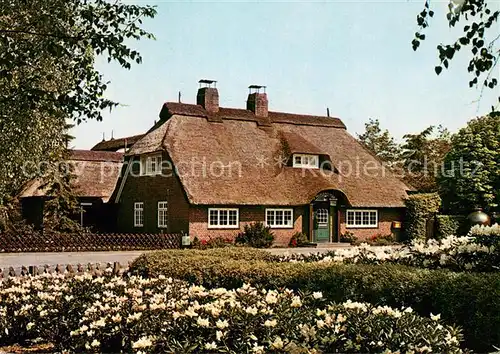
x=361 y=225
x=138 y=214
x=306 y=161
x=275 y=211
x=162 y=215
x=218 y=225
x=151 y=165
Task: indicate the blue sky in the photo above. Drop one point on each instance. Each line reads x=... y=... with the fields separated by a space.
x=353 y=57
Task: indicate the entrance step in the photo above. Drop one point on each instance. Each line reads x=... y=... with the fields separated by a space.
x=333 y=245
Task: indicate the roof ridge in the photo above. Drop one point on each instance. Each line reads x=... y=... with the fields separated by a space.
x=229 y=113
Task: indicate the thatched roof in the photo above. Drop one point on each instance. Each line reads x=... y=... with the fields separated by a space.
x=117 y=144
x=96 y=174
x=196 y=142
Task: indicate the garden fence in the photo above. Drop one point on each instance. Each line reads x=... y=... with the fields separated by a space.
x=48 y=242
x=92 y=268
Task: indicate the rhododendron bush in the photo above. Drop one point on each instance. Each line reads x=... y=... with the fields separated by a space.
x=478 y=251
x=113 y=314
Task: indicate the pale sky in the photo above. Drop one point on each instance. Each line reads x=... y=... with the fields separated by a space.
x=354 y=57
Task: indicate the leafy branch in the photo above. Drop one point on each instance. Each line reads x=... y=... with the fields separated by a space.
x=479 y=20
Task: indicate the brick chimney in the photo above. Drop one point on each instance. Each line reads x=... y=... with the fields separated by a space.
x=257 y=101
x=208 y=96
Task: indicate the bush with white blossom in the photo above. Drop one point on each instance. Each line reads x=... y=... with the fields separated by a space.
x=478 y=251
x=114 y=314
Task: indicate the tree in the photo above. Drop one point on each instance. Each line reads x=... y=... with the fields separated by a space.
x=381 y=143
x=422 y=157
x=472 y=167
x=479 y=22
x=47 y=75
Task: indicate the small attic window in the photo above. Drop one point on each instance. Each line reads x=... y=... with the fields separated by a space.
x=305 y=161
x=151 y=165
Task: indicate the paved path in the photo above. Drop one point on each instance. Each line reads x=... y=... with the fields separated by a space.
x=17 y=260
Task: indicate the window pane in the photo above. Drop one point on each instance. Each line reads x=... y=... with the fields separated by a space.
x=350 y=217
x=153 y=164
x=213 y=217
x=279 y=217
x=270 y=217
x=288 y=217
x=223 y=217
x=298 y=160
x=322 y=216
x=373 y=218
x=232 y=217
x=357 y=218
x=366 y=218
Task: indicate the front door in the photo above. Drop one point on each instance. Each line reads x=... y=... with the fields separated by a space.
x=321 y=224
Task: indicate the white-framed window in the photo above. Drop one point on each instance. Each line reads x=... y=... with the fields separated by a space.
x=162 y=214
x=361 y=218
x=138 y=214
x=279 y=218
x=322 y=216
x=151 y=165
x=223 y=218
x=305 y=161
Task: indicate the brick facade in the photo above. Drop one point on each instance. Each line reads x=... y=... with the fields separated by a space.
x=193 y=219
x=150 y=190
x=198 y=223
x=385 y=218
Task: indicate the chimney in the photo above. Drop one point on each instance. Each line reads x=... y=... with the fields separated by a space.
x=257 y=101
x=208 y=96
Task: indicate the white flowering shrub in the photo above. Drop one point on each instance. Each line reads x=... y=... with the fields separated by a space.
x=478 y=251
x=112 y=314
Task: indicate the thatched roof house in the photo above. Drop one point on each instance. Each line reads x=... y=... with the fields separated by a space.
x=208 y=170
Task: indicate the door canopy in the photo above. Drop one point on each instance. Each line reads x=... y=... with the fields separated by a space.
x=334 y=197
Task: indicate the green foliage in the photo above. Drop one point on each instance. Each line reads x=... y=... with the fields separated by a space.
x=213 y=242
x=426 y=291
x=381 y=240
x=62 y=206
x=298 y=239
x=472 y=168
x=256 y=235
x=47 y=75
x=479 y=20
x=381 y=143
x=349 y=237
x=109 y=314
x=419 y=208
x=422 y=157
x=447 y=225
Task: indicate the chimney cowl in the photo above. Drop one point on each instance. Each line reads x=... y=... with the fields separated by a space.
x=208 y=96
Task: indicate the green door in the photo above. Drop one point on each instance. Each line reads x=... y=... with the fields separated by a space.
x=321 y=225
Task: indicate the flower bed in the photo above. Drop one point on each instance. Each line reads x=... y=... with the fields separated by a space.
x=438 y=291
x=111 y=314
x=479 y=251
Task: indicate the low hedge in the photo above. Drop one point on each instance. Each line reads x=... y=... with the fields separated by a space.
x=471 y=300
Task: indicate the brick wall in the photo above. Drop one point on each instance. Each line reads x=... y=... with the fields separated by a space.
x=198 y=223
x=150 y=190
x=385 y=218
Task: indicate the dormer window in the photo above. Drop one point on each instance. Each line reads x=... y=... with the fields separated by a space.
x=305 y=161
x=151 y=165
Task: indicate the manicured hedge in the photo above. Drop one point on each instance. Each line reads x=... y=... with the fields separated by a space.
x=471 y=300
x=451 y=225
x=419 y=208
